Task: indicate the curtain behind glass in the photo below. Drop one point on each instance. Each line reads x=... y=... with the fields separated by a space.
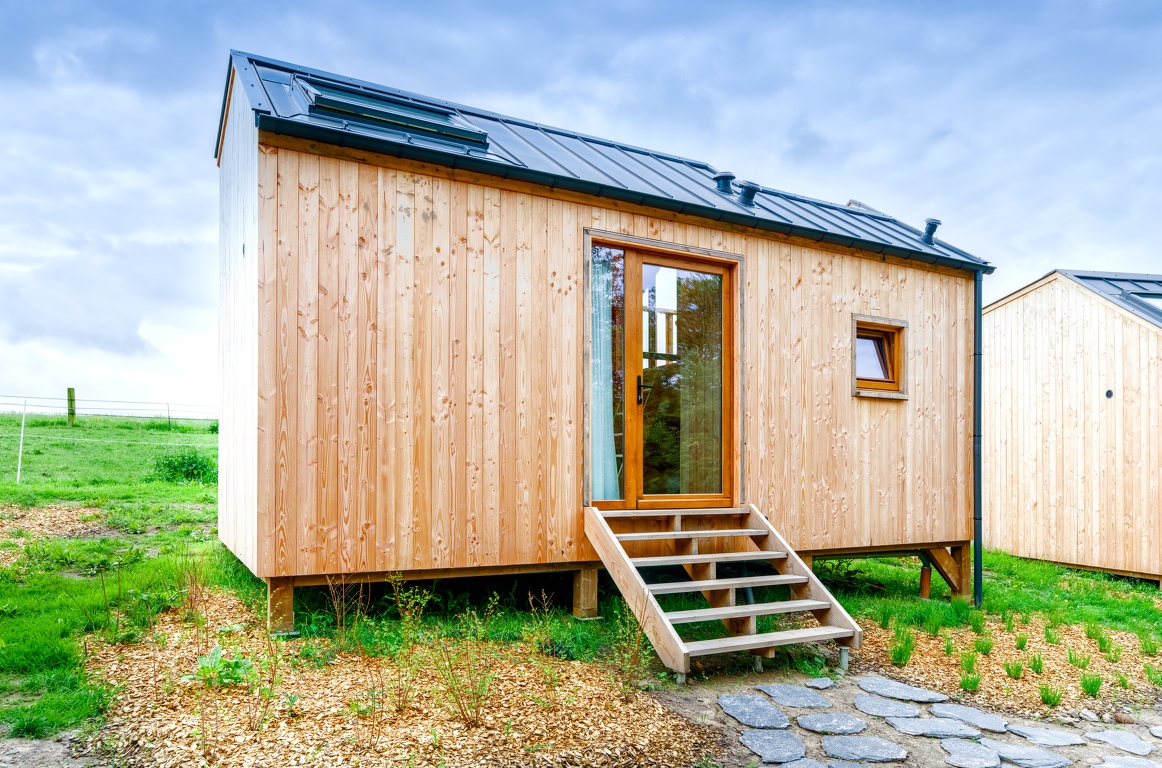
x=603 y=466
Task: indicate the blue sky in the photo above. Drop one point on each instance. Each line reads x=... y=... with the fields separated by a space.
x=1032 y=130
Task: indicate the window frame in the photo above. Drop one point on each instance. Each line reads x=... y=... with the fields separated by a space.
x=893 y=337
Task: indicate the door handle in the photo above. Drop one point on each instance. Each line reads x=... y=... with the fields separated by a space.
x=640 y=388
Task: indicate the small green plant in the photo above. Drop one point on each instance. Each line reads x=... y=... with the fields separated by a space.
x=1022 y=641
x=289 y=702
x=1076 y=659
x=1052 y=635
x=1104 y=643
x=883 y=613
x=1090 y=684
x=1093 y=631
x=983 y=645
x=933 y=624
x=1114 y=654
x=949 y=646
x=1153 y=674
x=1014 y=669
x=970 y=683
x=900 y=652
x=968 y=662
x=1123 y=681
x=1009 y=621
x=185 y=466
x=1050 y=696
x=1037 y=663
x=216 y=671
x=976 y=620
x=1147 y=645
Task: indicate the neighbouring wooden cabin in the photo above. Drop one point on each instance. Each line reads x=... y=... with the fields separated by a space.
x=1073 y=438
x=456 y=343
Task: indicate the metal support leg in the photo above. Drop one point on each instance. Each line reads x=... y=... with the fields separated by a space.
x=843 y=657
x=758 y=663
x=680 y=677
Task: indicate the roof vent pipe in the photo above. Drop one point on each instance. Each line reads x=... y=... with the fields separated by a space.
x=723 y=180
x=746 y=195
x=930 y=226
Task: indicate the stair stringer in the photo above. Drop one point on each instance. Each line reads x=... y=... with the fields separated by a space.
x=638 y=597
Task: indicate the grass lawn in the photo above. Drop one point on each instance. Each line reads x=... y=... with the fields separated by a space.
x=152 y=491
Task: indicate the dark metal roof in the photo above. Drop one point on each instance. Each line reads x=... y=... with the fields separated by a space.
x=306 y=103
x=1138 y=294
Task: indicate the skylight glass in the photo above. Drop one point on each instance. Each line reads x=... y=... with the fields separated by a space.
x=1153 y=300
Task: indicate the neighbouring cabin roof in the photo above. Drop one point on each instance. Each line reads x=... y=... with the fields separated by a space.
x=1138 y=294
x=306 y=103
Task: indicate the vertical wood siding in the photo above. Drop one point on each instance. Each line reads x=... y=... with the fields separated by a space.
x=1070 y=475
x=421 y=378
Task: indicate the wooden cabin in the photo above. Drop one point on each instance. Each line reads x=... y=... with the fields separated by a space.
x=456 y=343
x=1073 y=438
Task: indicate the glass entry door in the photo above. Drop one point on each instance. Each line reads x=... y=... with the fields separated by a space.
x=661 y=368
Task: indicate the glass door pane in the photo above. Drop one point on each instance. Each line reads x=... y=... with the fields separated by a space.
x=607 y=374
x=681 y=380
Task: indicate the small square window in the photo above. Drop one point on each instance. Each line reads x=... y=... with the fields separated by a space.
x=878 y=357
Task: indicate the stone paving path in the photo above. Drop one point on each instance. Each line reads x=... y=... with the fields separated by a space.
x=872 y=719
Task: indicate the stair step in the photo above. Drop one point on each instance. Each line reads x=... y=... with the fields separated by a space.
x=677 y=587
x=720 y=557
x=765 y=640
x=662 y=535
x=650 y=513
x=742 y=611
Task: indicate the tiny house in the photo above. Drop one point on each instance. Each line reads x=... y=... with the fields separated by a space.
x=456 y=343
x=1073 y=437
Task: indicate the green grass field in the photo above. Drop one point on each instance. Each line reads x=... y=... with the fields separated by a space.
x=153 y=483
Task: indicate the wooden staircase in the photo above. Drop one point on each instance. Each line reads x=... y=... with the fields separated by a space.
x=672 y=537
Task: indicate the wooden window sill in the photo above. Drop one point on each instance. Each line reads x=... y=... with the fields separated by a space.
x=882 y=394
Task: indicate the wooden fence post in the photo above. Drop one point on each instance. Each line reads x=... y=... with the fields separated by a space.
x=72 y=407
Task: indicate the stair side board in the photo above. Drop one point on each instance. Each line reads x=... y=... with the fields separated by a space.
x=813 y=588
x=669 y=647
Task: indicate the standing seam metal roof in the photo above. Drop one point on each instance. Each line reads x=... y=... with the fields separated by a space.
x=1124 y=289
x=281 y=97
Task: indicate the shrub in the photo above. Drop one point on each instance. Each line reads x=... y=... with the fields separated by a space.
x=901 y=649
x=1037 y=663
x=1090 y=684
x=1014 y=669
x=1022 y=641
x=983 y=645
x=185 y=466
x=968 y=662
x=1050 y=696
x=970 y=683
x=976 y=620
x=1153 y=674
x=1148 y=645
x=1077 y=660
x=1052 y=636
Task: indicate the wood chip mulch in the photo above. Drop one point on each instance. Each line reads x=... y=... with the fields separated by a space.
x=581 y=720
x=23 y=526
x=929 y=667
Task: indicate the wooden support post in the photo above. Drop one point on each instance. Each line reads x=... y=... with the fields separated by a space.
x=925 y=582
x=809 y=561
x=280 y=606
x=72 y=407
x=963 y=557
x=585 y=594
x=954 y=567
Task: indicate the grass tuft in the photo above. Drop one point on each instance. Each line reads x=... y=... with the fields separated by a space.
x=1090 y=684
x=1050 y=696
x=983 y=645
x=970 y=683
x=1052 y=635
x=968 y=662
x=1014 y=669
x=1037 y=663
x=903 y=644
x=1153 y=674
x=1022 y=641
x=1076 y=659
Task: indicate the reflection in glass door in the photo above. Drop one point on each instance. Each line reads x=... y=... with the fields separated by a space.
x=660 y=366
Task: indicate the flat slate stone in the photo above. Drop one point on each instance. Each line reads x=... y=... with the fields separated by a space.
x=754 y=711
x=1026 y=757
x=972 y=716
x=1156 y=731
x=1121 y=761
x=794 y=696
x=820 y=683
x=1047 y=737
x=805 y=763
x=882 y=686
x=831 y=722
x=863 y=749
x=774 y=746
x=936 y=727
x=1127 y=742
x=969 y=754
x=874 y=705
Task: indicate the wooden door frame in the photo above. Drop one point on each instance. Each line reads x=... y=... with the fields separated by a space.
x=731 y=266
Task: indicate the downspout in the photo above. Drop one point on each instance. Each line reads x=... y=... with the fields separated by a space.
x=978 y=526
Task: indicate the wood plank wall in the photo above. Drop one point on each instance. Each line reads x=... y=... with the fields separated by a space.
x=421 y=382
x=238 y=333
x=1070 y=475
